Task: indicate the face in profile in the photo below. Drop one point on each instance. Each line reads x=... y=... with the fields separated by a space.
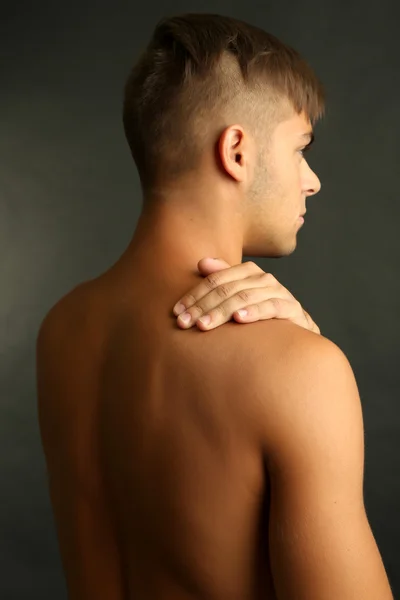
x=281 y=184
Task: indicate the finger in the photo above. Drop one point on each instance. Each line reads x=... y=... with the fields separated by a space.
x=211 y=265
x=257 y=310
x=228 y=297
x=213 y=281
x=274 y=308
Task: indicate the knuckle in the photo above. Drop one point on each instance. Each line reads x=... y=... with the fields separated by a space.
x=224 y=290
x=268 y=278
x=253 y=265
x=277 y=304
x=188 y=300
x=246 y=295
x=220 y=311
x=251 y=268
x=299 y=306
x=212 y=281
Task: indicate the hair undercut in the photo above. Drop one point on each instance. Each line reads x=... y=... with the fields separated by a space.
x=201 y=73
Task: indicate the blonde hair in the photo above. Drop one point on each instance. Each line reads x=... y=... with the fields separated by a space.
x=202 y=71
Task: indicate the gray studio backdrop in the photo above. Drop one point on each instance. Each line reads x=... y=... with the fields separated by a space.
x=70 y=198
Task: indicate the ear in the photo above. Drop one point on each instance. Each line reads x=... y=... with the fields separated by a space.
x=233 y=148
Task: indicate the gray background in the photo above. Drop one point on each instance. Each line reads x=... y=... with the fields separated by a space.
x=70 y=198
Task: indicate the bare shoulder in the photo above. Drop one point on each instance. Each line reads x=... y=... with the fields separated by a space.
x=71 y=309
x=311 y=433
x=302 y=379
x=293 y=355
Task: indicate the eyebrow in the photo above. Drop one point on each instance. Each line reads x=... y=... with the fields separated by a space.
x=309 y=134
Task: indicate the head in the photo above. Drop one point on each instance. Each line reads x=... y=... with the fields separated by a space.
x=220 y=105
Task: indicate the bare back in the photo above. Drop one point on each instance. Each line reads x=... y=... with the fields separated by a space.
x=163 y=491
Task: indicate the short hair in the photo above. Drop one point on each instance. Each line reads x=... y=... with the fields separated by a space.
x=199 y=74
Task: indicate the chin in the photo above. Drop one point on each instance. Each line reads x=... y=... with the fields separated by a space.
x=275 y=249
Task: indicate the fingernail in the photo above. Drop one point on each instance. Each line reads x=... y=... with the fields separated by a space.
x=179 y=308
x=185 y=318
x=242 y=312
x=206 y=320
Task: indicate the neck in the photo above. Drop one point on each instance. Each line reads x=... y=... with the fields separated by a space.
x=174 y=235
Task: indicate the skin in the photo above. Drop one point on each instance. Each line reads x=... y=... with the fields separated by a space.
x=226 y=291
x=258 y=193
x=156 y=479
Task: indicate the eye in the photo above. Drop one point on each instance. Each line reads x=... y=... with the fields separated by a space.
x=305 y=149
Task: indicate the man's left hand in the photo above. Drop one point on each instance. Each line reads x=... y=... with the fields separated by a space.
x=226 y=290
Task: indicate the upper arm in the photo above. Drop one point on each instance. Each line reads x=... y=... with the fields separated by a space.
x=321 y=544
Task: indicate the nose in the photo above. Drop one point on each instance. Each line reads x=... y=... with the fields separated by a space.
x=311 y=183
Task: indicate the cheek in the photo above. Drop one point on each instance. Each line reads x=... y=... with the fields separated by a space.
x=298 y=171
x=293 y=173
x=292 y=182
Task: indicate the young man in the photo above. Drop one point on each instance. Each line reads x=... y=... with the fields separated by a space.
x=226 y=464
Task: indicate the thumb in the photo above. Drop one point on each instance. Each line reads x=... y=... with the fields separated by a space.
x=212 y=265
